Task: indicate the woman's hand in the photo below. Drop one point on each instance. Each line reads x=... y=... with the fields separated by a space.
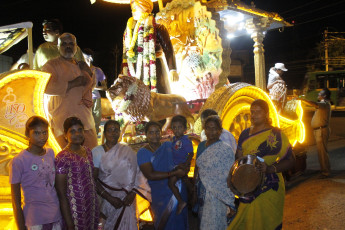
x=261 y=166
x=116 y=202
x=231 y=213
x=128 y=200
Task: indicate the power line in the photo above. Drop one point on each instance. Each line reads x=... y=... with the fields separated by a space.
x=311 y=11
x=317 y=19
x=309 y=3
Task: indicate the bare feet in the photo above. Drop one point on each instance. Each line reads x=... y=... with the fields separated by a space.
x=180 y=207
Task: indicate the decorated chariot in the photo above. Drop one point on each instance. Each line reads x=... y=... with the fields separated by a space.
x=198 y=54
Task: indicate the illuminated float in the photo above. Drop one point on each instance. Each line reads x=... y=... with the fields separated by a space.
x=199 y=50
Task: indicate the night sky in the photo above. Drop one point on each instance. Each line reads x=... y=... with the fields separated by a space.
x=100 y=27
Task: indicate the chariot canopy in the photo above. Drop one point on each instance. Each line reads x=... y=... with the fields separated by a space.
x=12 y=34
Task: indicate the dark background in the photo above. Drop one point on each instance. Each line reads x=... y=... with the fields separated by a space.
x=100 y=27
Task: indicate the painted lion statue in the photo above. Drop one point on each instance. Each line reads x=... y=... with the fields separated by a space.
x=131 y=97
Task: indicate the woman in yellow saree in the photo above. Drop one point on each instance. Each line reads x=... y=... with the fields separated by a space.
x=264 y=209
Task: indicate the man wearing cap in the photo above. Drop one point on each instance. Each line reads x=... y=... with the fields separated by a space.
x=276 y=85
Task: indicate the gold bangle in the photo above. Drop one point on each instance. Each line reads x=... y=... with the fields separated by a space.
x=275 y=168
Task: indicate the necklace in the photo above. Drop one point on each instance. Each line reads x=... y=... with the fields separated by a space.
x=144 y=58
x=152 y=149
x=80 y=152
x=107 y=146
x=132 y=38
x=40 y=154
x=254 y=130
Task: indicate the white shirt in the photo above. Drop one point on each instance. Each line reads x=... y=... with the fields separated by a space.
x=272 y=77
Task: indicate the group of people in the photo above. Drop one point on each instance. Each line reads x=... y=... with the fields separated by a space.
x=75 y=82
x=82 y=188
x=95 y=187
x=80 y=82
x=320 y=122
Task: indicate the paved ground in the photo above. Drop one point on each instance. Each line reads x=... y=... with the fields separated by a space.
x=313 y=203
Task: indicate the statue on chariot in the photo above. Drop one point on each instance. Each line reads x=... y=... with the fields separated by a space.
x=187 y=36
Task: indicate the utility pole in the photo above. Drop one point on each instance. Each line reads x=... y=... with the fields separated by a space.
x=326 y=49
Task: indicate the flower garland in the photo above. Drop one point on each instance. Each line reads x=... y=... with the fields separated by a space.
x=131 y=41
x=128 y=98
x=144 y=38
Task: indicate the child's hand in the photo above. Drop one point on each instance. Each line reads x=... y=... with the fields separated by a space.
x=180 y=172
x=184 y=166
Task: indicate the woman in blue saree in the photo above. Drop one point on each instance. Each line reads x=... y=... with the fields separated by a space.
x=156 y=163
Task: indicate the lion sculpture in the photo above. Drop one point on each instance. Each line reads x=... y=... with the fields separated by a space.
x=130 y=96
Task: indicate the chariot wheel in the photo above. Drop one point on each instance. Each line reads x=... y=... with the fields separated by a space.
x=233 y=106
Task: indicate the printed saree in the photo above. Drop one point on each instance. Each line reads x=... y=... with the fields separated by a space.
x=214 y=197
x=81 y=188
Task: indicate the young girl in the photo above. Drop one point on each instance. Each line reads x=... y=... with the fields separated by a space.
x=33 y=170
x=74 y=179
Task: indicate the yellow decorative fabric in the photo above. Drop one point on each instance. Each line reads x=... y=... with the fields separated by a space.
x=144 y=5
x=265 y=210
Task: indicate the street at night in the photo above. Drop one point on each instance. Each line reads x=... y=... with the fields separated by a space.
x=172 y=114
x=313 y=203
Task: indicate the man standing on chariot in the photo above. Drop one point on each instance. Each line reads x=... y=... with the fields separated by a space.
x=276 y=86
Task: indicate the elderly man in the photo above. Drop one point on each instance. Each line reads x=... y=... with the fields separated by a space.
x=70 y=91
x=276 y=85
x=52 y=29
x=320 y=124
